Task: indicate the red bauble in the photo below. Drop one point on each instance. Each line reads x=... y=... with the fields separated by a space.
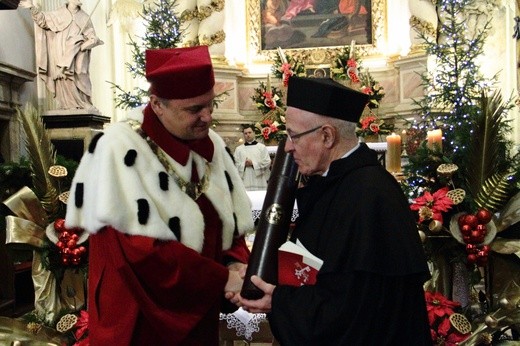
x=472 y=258
x=470 y=248
x=465 y=230
x=475 y=236
x=59 y=225
x=462 y=220
x=471 y=220
x=64 y=236
x=484 y=216
x=71 y=244
x=482 y=229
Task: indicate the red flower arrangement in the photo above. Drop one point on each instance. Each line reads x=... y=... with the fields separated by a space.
x=285 y=66
x=431 y=206
x=75 y=327
x=372 y=125
x=447 y=327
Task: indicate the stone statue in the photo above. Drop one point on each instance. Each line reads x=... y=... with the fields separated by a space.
x=66 y=38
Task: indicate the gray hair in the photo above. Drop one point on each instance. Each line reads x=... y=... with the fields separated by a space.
x=346 y=129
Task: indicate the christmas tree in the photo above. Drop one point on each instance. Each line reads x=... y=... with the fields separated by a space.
x=469 y=110
x=465 y=187
x=162 y=31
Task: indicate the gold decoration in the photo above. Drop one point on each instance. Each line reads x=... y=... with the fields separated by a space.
x=461 y=323
x=447 y=169
x=42 y=155
x=435 y=226
x=491 y=321
x=194 y=190
x=27 y=227
x=188 y=15
x=34 y=327
x=66 y=323
x=216 y=38
x=64 y=197
x=15 y=331
x=456 y=195
x=425 y=213
x=57 y=171
x=207 y=11
x=495 y=192
x=422 y=26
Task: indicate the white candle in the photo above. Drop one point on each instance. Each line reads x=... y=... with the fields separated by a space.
x=282 y=55
x=393 y=162
x=352 y=44
x=434 y=138
x=268 y=89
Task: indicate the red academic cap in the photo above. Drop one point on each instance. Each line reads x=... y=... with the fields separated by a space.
x=179 y=73
x=326 y=97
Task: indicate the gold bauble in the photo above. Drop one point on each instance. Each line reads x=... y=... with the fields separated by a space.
x=491 y=321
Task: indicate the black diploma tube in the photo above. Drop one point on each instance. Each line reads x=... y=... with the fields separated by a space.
x=274 y=222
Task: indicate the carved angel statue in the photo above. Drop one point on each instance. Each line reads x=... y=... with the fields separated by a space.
x=66 y=37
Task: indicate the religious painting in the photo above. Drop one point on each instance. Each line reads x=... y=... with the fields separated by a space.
x=313 y=27
x=314 y=23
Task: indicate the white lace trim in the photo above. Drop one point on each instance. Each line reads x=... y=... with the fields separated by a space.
x=244 y=322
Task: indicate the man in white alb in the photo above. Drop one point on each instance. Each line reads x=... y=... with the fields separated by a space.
x=253 y=161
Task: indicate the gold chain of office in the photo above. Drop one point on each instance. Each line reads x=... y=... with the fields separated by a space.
x=194 y=190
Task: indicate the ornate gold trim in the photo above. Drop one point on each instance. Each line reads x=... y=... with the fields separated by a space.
x=423 y=26
x=319 y=55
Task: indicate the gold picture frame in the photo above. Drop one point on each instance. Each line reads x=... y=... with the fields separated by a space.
x=262 y=53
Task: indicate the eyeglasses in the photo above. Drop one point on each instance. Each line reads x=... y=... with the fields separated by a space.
x=298 y=135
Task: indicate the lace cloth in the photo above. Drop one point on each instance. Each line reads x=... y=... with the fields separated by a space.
x=245 y=323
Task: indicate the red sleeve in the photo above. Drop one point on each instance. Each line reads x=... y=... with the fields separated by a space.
x=239 y=252
x=174 y=285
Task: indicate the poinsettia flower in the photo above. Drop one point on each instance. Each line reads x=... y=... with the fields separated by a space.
x=287 y=72
x=438 y=203
x=82 y=342
x=352 y=73
x=351 y=63
x=269 y=101
x=367 y=90
x=443 y=336
x=266 y=131
x=438 y=306
x=82 y=324
x=374 y=127
x=366 y=121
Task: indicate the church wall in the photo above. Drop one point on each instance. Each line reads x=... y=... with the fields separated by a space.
x=17 y=77
x=395 y=61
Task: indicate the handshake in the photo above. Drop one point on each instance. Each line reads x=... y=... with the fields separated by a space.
x=237 y=272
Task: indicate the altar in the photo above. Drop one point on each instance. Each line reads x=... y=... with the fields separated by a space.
x=257 y=202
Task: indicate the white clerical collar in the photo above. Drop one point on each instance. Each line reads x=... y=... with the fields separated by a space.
x=346 y=154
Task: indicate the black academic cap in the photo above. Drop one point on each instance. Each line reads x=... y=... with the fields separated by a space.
x=326 y=97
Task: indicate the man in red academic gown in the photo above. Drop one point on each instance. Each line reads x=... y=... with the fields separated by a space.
x=166 y=210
